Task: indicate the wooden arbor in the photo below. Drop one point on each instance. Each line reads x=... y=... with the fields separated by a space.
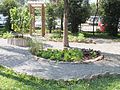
x=32 y=5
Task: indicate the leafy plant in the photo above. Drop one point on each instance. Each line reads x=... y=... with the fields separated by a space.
x=56 y=36
x=35 y=46
x=77 y=38
x=50 y=13
x=78 y=13
x=111 y=12
x=20 y=19
x=7 y=35
x=5 y=6
x=61 y=55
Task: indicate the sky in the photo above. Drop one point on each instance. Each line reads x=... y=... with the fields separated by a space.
x=93 y=1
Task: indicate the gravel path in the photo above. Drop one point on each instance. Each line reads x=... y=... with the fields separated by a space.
x=20 y=60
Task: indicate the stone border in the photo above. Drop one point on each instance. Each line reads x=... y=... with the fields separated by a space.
x=78 y=62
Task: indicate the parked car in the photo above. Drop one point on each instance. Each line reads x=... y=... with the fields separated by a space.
x=38 y=24
x=3 y=20
x=90 y=20
x=58 y=23
x=101 y=25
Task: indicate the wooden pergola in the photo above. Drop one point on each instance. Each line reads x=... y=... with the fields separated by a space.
x=36 y=4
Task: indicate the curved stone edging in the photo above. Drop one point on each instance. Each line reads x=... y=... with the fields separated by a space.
x=78 y=62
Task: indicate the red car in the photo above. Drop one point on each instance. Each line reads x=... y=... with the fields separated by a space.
x=101 y=25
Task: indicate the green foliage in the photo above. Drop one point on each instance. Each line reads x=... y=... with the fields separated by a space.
x=77 y=38
x=111 y=15
x=93 y=9
x=20 y=19
x=56 y=36
x=7 y=35
x=37 y=12
x=35 y=46
x=61 y=55
x=59 y=11
x=78 y=13
x=5 y=7
x=50 y=14
x=2 y=30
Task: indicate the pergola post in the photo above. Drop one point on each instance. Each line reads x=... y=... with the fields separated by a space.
x=30 y=9
x=33 y=20
x=43 y=20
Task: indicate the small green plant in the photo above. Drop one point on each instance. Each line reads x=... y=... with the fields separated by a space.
x=35 y=46
x=61 y=55
x=77 y=38
x=57 y=36
x=7 y=35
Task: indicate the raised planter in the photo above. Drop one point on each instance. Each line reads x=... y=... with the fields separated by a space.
x=18 y=41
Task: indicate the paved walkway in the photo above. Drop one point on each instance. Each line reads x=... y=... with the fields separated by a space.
x=21 y=60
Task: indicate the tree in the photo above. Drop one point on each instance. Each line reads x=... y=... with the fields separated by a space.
x=65 y=34
x=93 y=9
x=60 y=11
x=85 y=13
x=78 y=13
x=111 y=13
x=6 y=6
x=50 y=16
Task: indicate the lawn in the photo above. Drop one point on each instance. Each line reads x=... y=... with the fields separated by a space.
x=10 y=80
x=101 y=35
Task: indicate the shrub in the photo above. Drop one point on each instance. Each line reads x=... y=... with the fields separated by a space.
x=20 y=19
x=72 y=38
x=35 y=46
x=7 y=35
x=77 y=38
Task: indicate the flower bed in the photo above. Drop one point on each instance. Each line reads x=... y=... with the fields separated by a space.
x=68 y=55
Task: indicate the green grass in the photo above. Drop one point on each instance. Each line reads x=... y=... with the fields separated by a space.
x=57 y=35
x=100 y=35
x=10 y=80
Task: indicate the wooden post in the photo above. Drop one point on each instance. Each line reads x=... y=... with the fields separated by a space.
x=43 y=20
x=33 y=20
x=30 y=9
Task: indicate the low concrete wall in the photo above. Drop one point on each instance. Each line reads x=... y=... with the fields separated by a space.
x=18 y=41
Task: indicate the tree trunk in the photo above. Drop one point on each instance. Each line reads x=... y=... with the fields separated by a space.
x=62 y=23
x=65 y=33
